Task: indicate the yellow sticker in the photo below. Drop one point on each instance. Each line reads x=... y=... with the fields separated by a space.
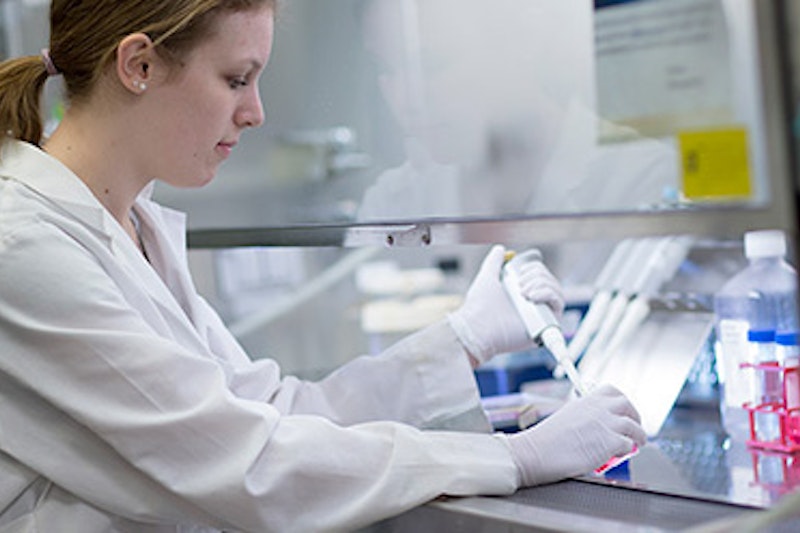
x=715 y=164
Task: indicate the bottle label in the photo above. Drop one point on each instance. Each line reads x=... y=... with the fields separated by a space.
x=735 y=352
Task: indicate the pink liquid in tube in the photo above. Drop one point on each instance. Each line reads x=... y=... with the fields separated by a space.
x=616 y=461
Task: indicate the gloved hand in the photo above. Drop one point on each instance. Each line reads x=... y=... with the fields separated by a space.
x=578 y=438
x=487 y=323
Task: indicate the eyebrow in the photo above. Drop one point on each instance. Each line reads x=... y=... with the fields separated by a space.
x=256 y=64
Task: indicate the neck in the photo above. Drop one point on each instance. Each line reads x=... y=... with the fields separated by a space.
x=98 y=154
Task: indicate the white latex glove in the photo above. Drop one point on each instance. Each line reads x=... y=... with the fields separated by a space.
x=578 y=438
x=487 y=323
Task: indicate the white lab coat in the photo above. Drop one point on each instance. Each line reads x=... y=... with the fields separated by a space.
x=125 y=404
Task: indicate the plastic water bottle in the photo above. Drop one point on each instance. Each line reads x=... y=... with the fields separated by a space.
x=760 y=298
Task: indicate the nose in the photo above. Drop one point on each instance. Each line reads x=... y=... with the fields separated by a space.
x=251 y=113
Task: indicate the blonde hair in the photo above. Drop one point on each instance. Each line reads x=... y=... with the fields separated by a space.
x=84 y=35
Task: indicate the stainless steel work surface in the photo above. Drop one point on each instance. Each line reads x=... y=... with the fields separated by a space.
x=689 y=476
x=567 y=506
x=693 y=457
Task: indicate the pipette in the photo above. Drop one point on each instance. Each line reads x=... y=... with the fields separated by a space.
x=541 y=324
x=661 y=267
x=543 y=328
x=605 y=292
x=593 y=356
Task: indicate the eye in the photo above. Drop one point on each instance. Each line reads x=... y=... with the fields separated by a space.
x=237 y=82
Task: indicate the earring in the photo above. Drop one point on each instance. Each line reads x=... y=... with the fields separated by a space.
x=142 y=86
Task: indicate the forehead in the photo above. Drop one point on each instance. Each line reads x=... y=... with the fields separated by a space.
x=239 y=36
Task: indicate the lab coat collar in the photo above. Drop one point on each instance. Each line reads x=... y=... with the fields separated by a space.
x=164 y=230
x=49 y=177
x=147 y=192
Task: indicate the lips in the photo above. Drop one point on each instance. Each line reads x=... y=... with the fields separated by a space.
x=225 y=148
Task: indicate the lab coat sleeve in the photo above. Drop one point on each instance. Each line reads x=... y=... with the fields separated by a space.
x=424 y=380
x=134 y=424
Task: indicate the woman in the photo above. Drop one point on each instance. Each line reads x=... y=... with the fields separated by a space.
x=125 y=404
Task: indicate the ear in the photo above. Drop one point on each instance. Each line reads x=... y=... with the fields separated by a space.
x=135 y=56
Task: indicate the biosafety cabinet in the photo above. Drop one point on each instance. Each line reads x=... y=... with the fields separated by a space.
x=403 y=137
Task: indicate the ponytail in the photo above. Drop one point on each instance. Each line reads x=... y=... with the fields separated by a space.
x=21 y=83
x=84 y=35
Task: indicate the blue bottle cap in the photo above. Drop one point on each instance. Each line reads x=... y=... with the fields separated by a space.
x=761 y=335
x=787 y=338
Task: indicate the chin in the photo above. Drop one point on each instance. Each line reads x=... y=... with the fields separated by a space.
x=192 y=182
x=202 y=182
x=202 y=178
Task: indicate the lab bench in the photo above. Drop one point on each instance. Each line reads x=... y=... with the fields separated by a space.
x=572 y=505
x=689 y=476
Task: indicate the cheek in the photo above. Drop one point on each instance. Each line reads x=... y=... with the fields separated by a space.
x=185 y=155
x=195 y=129
x=191 y=123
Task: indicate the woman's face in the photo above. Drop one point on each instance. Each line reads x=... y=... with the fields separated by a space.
x=200 y=111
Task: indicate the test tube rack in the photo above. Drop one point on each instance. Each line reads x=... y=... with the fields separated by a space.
x=775 y=471
x=783 y=414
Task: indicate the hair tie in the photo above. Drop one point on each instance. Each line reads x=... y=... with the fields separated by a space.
x=48 y=63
